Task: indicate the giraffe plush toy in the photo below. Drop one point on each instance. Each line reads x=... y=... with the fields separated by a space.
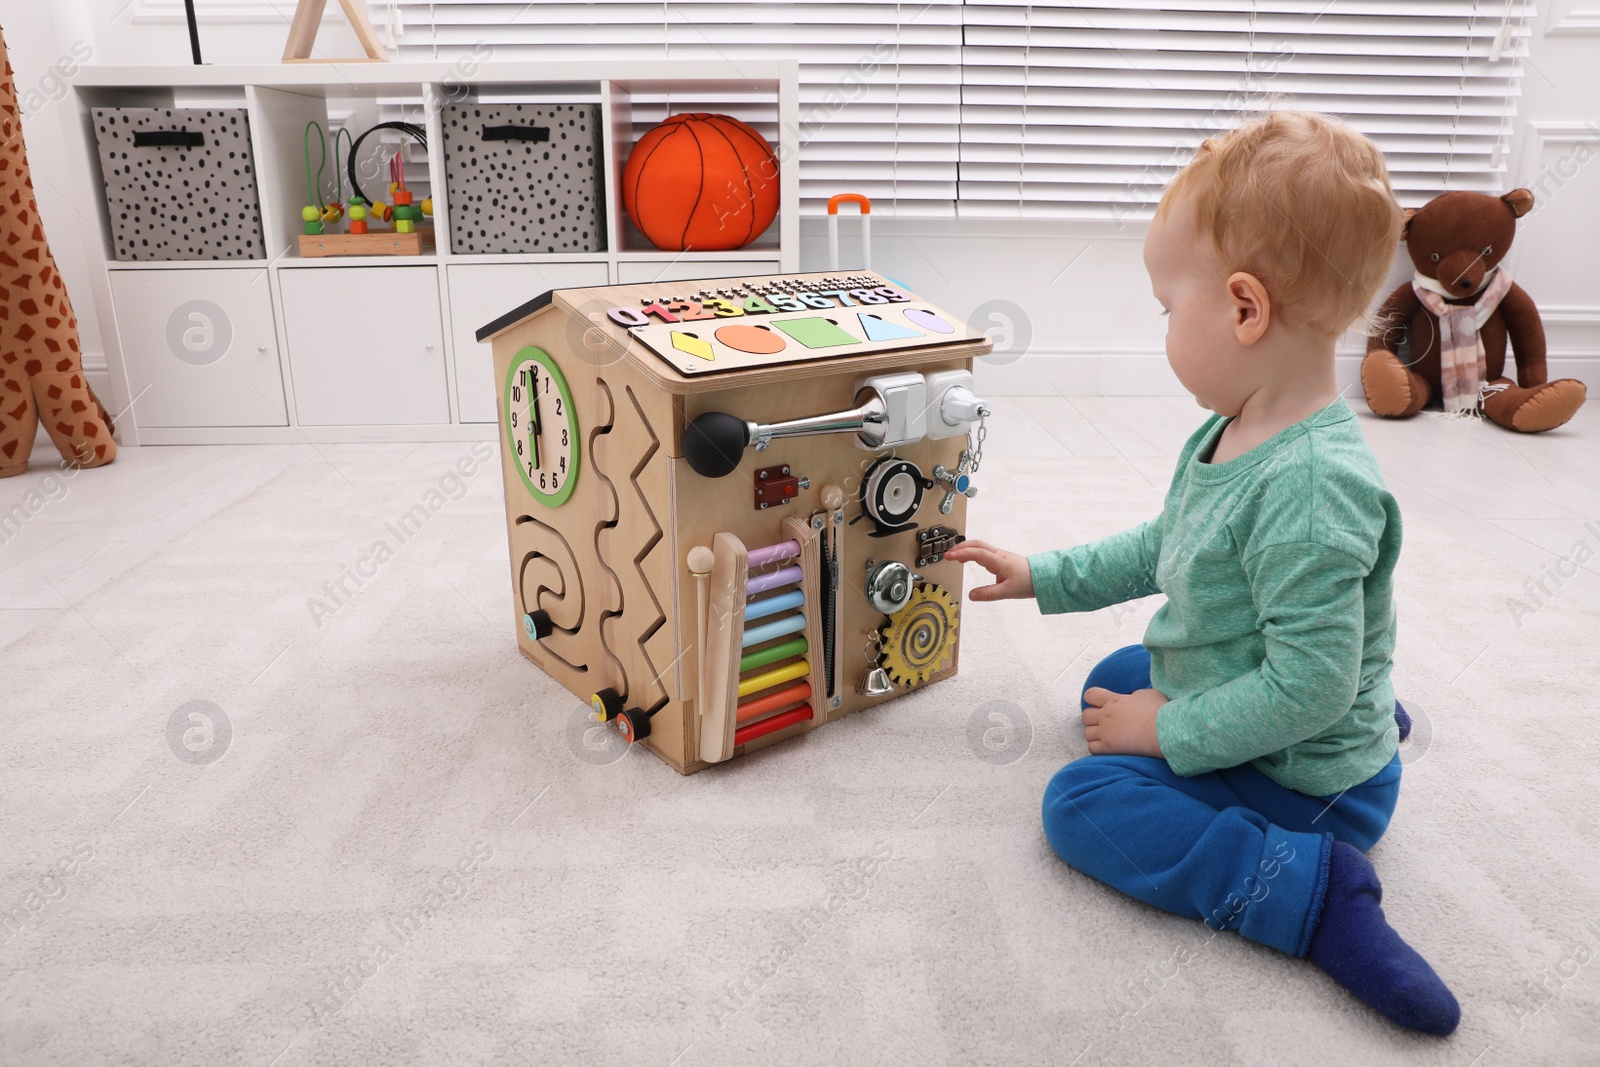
x=41 y=370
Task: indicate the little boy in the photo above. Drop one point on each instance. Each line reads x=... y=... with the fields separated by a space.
x=1245 y=755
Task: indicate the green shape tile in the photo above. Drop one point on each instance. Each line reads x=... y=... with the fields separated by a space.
x=816 y=332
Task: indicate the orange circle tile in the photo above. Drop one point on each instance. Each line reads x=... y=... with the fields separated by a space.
x=752 y=339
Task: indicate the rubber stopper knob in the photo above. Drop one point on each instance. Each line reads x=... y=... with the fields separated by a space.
x=537 y=625
x=607 y=704
x=714 y=443
x=634 y=725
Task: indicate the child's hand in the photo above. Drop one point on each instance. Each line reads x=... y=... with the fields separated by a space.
x=1116 y=723
x=1013 y=579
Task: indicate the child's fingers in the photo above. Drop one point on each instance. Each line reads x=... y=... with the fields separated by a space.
x=961 y=554
x=976 y=552
x=1001 y=564
x=1098 y=697
x=1004 y=587
x=967 y=546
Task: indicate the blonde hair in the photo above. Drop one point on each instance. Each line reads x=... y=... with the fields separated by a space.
x=1302 y=201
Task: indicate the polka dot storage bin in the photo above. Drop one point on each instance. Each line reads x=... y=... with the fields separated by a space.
x=524 y=178
x=180 y=183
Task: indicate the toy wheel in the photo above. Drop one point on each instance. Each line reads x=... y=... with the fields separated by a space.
x=607 y=704
x=634 y=725
x=891 y=493
x=537 y=625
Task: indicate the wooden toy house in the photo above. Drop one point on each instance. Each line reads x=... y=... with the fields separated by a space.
x=728 y=500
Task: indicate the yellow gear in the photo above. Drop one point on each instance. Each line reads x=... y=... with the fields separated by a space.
x=918 y=638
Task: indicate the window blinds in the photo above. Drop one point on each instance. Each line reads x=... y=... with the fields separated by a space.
x=1085 y=110
x=880 y=83
x=999 y=108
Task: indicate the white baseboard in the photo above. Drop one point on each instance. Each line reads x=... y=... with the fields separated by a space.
x=1035 y=373
x=1134 y=373
x=1076 y=374
x=98 y=375
x=1583 y=366
x=100 y=382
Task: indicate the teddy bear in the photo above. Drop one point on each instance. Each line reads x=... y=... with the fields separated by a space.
x=1457 y=314
x=41 y=369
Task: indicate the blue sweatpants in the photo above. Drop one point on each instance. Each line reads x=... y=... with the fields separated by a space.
x=1231 y=847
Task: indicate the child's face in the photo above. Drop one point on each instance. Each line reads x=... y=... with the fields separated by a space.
x=1203 y=313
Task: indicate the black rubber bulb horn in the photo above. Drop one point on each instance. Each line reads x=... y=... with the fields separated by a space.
x=714 y=444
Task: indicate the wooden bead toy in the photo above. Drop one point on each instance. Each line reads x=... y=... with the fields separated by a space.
x=337 y=207
x=406 y=213
x=315 y=213
x=408 y=237
x=716 y=500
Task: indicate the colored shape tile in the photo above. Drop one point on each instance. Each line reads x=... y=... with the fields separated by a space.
x=816 y=332
x=688 y=342
x=928 y=321
x=752 y=339
x=879 y=330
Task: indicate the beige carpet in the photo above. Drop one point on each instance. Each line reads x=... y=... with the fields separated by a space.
x=411 y=851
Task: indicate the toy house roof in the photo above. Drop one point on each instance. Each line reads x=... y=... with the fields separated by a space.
x=647 y=348
x=516 y=315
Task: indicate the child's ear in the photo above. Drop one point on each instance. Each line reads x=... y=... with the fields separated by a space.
x=1405 y=227
x=1252 y=308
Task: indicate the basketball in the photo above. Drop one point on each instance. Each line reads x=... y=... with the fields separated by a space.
x=701 y=183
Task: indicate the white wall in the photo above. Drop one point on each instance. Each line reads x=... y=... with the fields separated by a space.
x=1558 y=156
x=1075 y=292
x=1068 y=303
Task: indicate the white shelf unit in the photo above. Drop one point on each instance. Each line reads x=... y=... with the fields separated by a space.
x=381 y=348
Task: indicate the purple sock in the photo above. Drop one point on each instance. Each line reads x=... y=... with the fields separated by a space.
x=1358 y=949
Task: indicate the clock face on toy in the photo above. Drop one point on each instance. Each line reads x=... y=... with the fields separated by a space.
x=541 y=426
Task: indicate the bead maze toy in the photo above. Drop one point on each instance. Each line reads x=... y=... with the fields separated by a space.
x=718 y=500
x=407 y=239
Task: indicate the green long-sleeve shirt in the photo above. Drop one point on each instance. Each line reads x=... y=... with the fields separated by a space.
x=1276 y=640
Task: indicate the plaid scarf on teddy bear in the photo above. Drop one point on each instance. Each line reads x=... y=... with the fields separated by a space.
x=1461 y=358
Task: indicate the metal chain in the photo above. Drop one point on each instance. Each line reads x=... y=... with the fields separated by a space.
x=983 y=431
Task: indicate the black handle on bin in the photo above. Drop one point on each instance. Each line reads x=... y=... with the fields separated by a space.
x=168 y=139
x=516 y=133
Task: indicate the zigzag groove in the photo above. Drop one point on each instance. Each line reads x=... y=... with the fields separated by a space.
x=655 y=539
